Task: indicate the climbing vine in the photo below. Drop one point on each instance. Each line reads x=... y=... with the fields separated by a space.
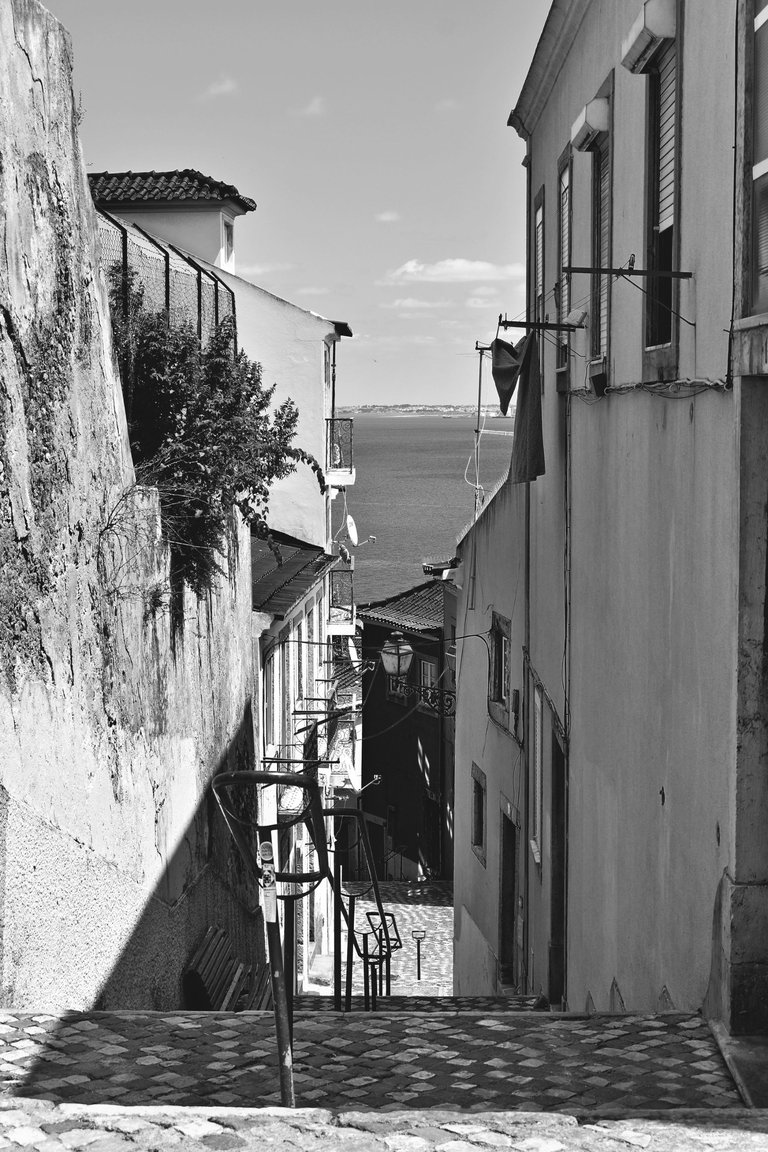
x=201 y=429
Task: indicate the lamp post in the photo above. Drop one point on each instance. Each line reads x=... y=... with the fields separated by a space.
x=396 y=657
x=418 y=935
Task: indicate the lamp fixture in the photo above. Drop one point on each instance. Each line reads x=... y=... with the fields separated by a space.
x=397 y=656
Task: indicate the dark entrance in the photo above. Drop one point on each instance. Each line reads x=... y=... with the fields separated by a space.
x=559 y=862
x=508 y=902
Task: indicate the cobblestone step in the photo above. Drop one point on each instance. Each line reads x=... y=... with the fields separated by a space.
x=45 y=1127
x=323 y=1003
x=474 y=1061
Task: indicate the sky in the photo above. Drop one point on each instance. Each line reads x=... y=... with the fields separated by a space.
x=374 y=140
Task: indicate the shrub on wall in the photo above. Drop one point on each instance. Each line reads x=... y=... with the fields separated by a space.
x=201 y=430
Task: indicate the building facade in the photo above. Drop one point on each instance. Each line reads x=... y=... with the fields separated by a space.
x=622 y=592
x=407 y=762
x=164 y=227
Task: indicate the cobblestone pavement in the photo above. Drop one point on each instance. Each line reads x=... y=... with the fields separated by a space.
x=424 y=906
x=384 y=1061
x=46 y=1127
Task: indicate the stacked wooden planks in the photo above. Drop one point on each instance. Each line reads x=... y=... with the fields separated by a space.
x=215 y=980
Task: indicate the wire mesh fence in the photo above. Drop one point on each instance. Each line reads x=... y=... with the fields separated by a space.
x=168 y=281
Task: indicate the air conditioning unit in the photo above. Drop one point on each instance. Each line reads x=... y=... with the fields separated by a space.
x=655 y=24
x=590 y=124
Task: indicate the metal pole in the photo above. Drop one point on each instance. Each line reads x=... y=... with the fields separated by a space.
x=374 y=983
x=418 y=959
x=350 y=953
x=336 y=917
x=366 y=975
x=381 y=962
x=289 y=953
x=277 y=976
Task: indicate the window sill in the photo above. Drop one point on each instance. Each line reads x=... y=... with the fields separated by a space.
x=759 y=320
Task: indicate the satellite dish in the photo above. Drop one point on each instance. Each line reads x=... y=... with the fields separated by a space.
x=351 y=530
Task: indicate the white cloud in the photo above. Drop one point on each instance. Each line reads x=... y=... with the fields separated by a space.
x=454 y=271
x=389 y=216
x=221 y=87
x=486 y=290
x=447 y=105
x=311 y=291
x=261 y=269
x=316 y=107
x=411 y=303
x=483 y=301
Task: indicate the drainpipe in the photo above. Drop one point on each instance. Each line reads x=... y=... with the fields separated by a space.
x=526 y=678
x=333 y=379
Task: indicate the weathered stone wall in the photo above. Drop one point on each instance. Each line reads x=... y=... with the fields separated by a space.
x=112 y=860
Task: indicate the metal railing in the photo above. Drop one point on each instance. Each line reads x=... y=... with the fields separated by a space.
x=339 y=454
x=342 y=596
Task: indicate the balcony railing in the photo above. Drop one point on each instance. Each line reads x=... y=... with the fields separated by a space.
x=339 y=457
x=341 y=611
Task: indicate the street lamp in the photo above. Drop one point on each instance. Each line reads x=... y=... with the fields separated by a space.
x=396 y=656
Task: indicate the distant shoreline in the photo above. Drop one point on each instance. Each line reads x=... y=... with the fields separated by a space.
x=446 y=410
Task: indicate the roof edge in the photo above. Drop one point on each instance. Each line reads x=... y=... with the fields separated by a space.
x=555 y=42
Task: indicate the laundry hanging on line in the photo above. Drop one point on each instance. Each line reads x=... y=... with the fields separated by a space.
x=512 y=364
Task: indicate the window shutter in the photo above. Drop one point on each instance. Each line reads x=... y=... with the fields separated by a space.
x=760 y=95
x=605 y=246
x=667 y=69
x=539 y=263
x=565 y=243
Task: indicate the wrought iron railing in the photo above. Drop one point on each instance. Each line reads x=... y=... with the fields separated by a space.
x=342 y=599
x=339 y=455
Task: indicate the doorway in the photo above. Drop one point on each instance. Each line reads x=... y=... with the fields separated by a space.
x=508 y=902
x=559 y=868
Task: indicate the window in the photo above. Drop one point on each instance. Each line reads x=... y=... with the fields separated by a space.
x=499 y=687
x=229 y=241
x=760 y=162
x=269 y=700
x=538 y=760
x=538 y=266
x=479 y=793
x=662 y=195
x=309 y=663
x=300 y=662
x=427 y=674
x=564 y=257
x=601 y=246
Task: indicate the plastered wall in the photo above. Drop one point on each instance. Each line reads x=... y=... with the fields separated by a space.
x=112 y=861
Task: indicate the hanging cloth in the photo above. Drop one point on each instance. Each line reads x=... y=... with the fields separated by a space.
x=528 y=444
x=506 y=360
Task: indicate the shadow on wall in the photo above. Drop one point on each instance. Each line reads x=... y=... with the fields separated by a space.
x=204 y=883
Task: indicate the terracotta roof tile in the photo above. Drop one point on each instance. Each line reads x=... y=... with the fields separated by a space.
x=182 y=184
x=418 y=609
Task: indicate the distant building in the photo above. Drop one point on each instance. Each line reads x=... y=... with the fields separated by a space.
x=184 y=207
x=408 y=741
x=611 y=803
x=175 y=230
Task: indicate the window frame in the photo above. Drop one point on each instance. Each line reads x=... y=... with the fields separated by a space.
x=564 y=239
x=660 y=356
x=500 y=670
x=756 y=174
x=539 y=267
x=478 y=813
x=537 y=766
x=602 y=211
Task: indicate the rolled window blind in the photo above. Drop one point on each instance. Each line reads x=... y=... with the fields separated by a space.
x=667 y=124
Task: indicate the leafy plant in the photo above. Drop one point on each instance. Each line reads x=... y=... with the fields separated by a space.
x=201 y=430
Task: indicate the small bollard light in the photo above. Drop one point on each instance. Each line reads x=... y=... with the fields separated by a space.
x=418 y=935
